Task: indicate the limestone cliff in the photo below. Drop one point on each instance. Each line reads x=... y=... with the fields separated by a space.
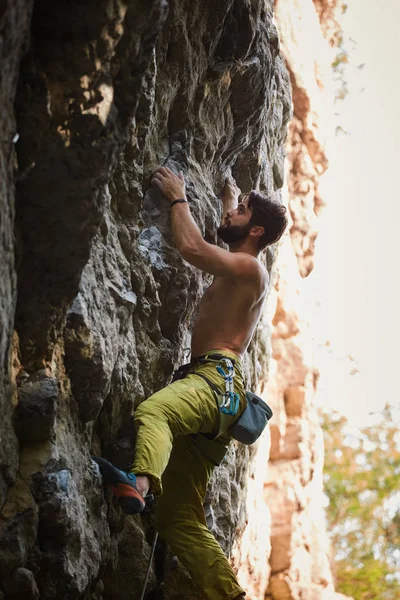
x=95 y=95
x=293 y=492
x=284 y=552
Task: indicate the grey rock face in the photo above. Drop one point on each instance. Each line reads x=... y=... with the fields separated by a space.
x=107 y=91
x=36 y=410
x=22 y=584
x=14 y=22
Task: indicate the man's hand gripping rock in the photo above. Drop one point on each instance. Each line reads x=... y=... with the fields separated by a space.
x=170 y=185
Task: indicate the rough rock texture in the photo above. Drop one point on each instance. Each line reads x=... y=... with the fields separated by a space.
x=312 y=107
x=293 y=490
x=107 y=91
x=14 y=23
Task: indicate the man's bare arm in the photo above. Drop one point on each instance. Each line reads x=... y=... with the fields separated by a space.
x=208 y=257
x=189 y=240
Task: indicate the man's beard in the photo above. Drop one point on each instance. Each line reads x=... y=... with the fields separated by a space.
x=232 y=234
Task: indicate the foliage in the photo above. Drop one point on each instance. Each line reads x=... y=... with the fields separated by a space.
x=362 y=475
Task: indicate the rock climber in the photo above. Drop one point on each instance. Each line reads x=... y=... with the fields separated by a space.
x=171 y=459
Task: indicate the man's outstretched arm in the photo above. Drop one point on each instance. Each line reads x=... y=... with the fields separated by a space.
x=187 y=236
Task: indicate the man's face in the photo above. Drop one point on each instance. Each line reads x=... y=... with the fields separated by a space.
x=236 y=226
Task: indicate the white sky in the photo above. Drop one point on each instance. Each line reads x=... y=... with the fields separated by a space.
x=357 y=254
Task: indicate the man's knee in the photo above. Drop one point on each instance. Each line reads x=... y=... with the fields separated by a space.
x=148 y=409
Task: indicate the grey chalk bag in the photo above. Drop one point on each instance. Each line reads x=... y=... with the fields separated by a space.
x=253 y=420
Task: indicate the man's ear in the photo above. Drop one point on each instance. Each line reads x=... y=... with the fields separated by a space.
x=257 y=231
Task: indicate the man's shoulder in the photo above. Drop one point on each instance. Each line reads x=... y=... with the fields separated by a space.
x=254 y=267
x=253 y=262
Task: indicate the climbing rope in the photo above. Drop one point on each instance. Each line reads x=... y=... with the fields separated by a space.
x=153 y=547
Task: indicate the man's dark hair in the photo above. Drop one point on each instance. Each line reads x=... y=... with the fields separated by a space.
x=268 y=214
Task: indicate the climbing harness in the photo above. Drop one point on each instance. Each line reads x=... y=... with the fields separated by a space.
x=253 y=420
x=227 y=402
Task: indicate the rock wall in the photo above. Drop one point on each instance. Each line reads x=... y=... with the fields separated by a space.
x=14 y=27
x=99 y=299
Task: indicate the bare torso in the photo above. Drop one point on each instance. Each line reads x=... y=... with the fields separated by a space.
x=228 y=314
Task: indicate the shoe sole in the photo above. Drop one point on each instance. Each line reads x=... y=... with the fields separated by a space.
x=128 y=497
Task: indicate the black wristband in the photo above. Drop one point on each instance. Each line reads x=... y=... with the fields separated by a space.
x=176 y=202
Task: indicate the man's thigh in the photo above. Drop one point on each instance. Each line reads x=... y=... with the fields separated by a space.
x=187 y=405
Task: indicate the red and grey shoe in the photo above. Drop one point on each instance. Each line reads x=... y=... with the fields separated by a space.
x=122 y=485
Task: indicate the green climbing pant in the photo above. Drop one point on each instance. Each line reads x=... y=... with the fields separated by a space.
x=169 y=452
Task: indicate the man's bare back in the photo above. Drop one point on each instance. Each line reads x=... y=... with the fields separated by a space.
x=228 y=314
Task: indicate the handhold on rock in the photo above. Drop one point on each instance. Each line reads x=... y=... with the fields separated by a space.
x=21 y=584
x=35 y=414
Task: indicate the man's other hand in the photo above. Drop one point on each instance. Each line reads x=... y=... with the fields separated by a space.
x=231 y=190
x=170 y=185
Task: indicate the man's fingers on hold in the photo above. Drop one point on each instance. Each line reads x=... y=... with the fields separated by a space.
x=156 y=182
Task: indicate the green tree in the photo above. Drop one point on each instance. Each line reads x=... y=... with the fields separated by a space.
x=362 y=483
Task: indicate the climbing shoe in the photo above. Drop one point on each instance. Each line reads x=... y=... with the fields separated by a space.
x=122 y=485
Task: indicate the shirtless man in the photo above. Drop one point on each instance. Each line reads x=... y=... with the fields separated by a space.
x=175 y=424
